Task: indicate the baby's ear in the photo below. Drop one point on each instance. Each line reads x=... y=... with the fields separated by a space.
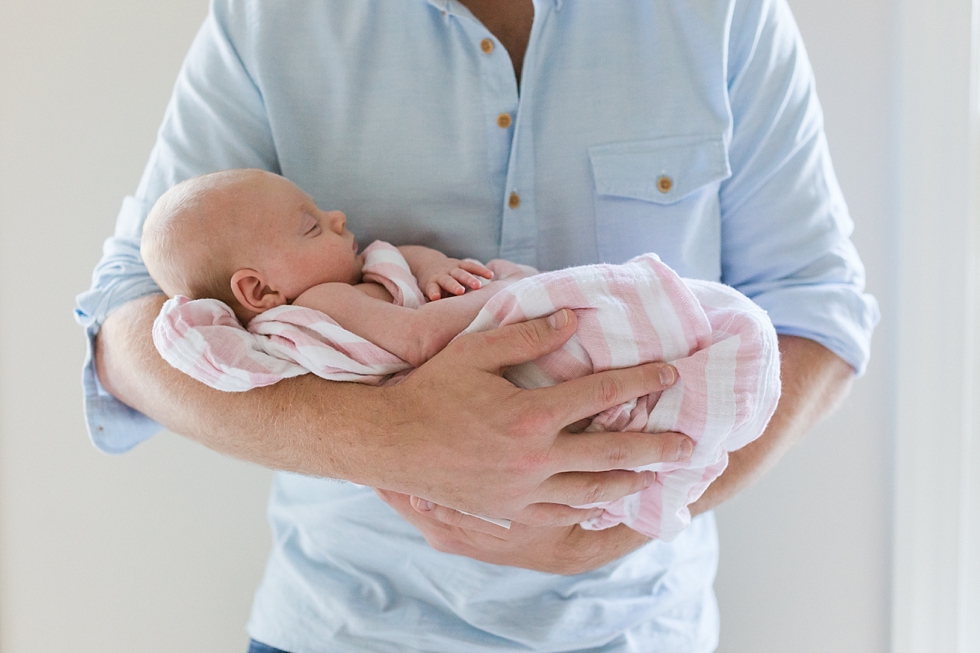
x=253 y=293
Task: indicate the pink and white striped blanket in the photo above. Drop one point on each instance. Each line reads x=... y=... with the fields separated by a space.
x=723 y=346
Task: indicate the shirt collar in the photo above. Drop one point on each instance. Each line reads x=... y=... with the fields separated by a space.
x=445 y=5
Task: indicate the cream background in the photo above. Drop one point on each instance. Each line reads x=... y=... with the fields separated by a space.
x=161 y=549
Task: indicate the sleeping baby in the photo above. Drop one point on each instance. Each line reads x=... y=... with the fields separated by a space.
x=265 y=286
x=255 y=241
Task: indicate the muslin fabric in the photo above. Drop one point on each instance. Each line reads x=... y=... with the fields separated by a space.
x=723 y=346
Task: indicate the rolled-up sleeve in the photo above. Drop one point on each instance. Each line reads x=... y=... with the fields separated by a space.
x=785 y=226
x=120 y=277
x=215 y=121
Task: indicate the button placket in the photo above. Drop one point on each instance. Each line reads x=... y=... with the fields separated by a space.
x=519 y=229
x=509 y=148
x=519 y=226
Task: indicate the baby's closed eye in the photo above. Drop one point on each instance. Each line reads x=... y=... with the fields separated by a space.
x=311 y=226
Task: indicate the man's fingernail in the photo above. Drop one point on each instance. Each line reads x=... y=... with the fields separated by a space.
x=685 y=449
x=426 y=505
x=649 y=478
x=668 y=375
x=558 y=320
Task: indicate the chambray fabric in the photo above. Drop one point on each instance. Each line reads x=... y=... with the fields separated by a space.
x=259 y=647
x=689 y=128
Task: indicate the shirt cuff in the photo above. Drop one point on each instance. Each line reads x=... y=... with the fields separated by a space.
x=838 y=317
x=119 y=278
x=113 y=426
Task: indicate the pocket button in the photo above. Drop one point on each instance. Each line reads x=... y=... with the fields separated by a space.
x=664 y=184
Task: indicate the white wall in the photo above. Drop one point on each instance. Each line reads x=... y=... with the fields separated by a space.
x=161 y=549
x=805 y=553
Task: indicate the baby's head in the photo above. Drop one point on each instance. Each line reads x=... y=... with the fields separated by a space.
x=250 y=238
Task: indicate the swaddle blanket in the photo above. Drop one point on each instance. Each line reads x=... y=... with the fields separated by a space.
x=723 y=346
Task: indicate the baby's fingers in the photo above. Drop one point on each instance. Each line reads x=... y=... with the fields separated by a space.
x=465 y=278
x=451 y=285
x=433 y=291
x=476 y=268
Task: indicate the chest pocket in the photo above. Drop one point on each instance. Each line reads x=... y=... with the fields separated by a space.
x=661 y=196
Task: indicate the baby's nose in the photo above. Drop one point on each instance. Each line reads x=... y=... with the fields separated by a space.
x=338 y=221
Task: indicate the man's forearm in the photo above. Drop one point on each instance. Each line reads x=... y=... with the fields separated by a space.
x=286 y=426
x=815 y=381
x=430 y=435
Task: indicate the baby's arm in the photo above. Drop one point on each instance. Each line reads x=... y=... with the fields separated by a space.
x=414 y=335
x=437 y=273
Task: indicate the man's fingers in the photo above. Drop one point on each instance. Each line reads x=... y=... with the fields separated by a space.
x=555 y=514
x=585 y=488
x=516 y=343
x=457 y=519
x=599 y=452
x=589 y=395
x=550 y=515
x=396 y=500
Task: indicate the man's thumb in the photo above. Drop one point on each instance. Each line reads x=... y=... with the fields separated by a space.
x=520 y=342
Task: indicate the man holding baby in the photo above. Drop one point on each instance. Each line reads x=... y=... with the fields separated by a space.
x=551 y=133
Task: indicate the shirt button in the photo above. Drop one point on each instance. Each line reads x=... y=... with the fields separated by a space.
x=514 y=201
x=487 y=46
x=664 y=184
x=503 y=120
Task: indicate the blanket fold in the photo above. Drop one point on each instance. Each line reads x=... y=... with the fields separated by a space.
x=723 y=346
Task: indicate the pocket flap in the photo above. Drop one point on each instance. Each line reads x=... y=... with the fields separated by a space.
x=662 y=171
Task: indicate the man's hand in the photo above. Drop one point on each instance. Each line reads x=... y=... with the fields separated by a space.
x=556 y=550
x=454 y=432
x=462 y=436
x=814 y=383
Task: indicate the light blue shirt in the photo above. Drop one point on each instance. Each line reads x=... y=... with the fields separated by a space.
x=689 y=128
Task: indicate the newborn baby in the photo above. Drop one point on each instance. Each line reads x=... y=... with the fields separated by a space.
x=255 y=241
x=261 y=246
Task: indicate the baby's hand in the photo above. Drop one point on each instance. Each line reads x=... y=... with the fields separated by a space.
x=451 y=276
x=503 y=269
